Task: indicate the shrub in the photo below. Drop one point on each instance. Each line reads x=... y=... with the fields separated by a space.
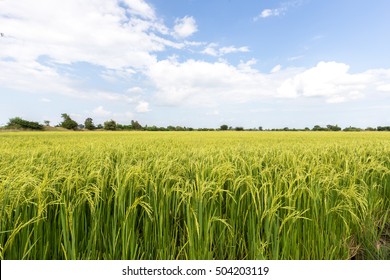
x=19 y=123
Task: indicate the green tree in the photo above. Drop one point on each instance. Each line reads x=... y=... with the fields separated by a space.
x=68 y=123
x=110 y=125
x=89 y=124
x=352 y=128
x=319 y=128
x=135 y=125
x=224 y=127
x=333 y=127
x=19 y=123
x=383 y=128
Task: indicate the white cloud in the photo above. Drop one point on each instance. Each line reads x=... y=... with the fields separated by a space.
x=99 y=32
x=123 y=118
x=141 y=8
x=194 y=43
x=33 y=77
x=47 y=36
x=123 y=41
x=276 y=68
x=142 y=107
x=271 y=13
x=268 y=12
x=115 y=75
x=330 y=80
x=385 y=88
x=135 y=90
x=101 y=112
x=206 y=84
x=232 y=49
x=213 y=50
x=30 y=76
x=281 y=10
x=185 y=27
x=110 y=96
x=199 y=83
x=213 y=113
x=246 y=66
x=336 y=99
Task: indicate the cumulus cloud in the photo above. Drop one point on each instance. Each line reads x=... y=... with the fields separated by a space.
x=142 y=107
x=211 y=49
x=101 y=112
x=141 y=8
x=246 y=66
x=330 y=80
x=185 y=27
x=93 y=31
x=44 y=39
x=123 y=41
x=385 y=88
x=206 y=84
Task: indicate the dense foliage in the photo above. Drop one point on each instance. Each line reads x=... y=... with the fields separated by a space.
x=110 y=125
x=19 y=123
x=88 y=124
x=68 y=122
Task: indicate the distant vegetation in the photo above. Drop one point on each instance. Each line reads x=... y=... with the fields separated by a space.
x=112 y=125
x=19 y=123
x=68 y=123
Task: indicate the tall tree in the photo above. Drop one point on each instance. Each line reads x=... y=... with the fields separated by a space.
x=89 y=124
x=110 y=125
x=68 y=123
x=224 y=127
x=135 y=125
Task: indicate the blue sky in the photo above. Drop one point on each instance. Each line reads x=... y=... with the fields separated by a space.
x=197 y=63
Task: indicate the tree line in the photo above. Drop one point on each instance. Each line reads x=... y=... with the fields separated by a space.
x=69 y=123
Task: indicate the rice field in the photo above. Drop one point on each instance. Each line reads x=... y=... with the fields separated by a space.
x=194 y=195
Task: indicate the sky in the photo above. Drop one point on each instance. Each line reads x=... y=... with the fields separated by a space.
x=197 y=63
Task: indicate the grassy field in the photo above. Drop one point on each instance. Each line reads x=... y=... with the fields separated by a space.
x=194 y=195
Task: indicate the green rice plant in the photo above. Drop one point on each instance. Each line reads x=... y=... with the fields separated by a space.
x=194 y=195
